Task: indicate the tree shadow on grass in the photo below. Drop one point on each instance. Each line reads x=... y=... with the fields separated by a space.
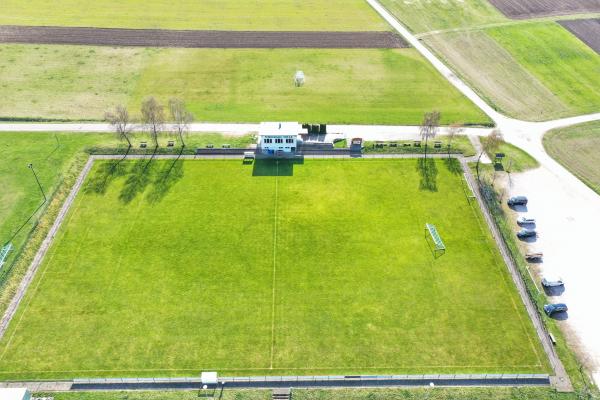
x=428 y=171
x=139 y=178
x=453 y=165
x=104 y=175
x=166 y=178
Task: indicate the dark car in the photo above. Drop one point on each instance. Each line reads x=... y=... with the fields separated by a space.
x=550 y=309
x=526 y=233
x=517 y=201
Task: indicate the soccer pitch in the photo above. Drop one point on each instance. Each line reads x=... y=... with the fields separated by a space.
x=320 y=267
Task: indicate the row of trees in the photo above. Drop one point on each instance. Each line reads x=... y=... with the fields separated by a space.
x=430 y=128
x=152 y=120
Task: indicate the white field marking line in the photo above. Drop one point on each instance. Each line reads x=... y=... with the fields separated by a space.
x=270 y=369
x=274 y=262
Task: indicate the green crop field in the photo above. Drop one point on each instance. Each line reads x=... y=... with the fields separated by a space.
x=342 y=86
x=286 y=15
x=564 y=64
x=426 y=15
x=289 y=268
x=576 y=148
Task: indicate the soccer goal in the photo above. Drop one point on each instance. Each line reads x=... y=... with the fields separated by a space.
x=437 y=240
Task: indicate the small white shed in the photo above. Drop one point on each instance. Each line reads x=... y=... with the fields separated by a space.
x=15 y=394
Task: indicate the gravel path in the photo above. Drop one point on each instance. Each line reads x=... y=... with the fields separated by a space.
x=199 y=39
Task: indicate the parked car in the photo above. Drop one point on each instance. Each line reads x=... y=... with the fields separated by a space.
x=534 y=256
x=550 y=280
x=550 y=309
x=526 y=233
x=525 y=220
x=517 y=201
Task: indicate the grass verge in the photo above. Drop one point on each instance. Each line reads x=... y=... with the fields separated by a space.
x=576 y=148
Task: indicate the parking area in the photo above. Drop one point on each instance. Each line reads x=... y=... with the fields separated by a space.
x=567 y=220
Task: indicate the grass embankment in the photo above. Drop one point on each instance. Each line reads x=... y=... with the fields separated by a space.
x=287 y=15
x=338 y=394
x=244 y=269
x=515 y=159
x=576 y=148
x=342 y=86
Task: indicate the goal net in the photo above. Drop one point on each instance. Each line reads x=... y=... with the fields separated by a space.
x=435 y=236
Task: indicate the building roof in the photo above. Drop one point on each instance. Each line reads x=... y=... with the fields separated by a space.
x=279 y=128
x=13 y=393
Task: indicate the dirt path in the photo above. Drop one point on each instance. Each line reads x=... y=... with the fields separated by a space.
x=198 y=39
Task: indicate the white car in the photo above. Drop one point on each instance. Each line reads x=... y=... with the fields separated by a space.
x=550 y=280
x=525 y=220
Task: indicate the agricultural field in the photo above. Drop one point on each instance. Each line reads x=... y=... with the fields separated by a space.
x=170 y=268
x=576 y=148
x=587 y=30
x=497 y=75
x=523 y=9
x=516 y=68
x=287 y=15
x=550 y=52
x=426 y=15
x=384 y=86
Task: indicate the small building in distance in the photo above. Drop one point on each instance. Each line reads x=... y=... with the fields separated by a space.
x=279 y=139
x=15 y=394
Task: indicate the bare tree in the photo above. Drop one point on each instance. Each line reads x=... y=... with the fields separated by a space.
x=153 y=118
x=181 y=118
x=121 y=123
x=429 y=127
x=490 y=146
x=453 y=130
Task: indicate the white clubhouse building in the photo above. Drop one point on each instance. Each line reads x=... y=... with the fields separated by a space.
x=278 y=138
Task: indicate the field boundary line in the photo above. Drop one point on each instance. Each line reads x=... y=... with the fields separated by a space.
x=39 y=256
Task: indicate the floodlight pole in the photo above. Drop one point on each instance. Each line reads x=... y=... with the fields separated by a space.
x=30 y=166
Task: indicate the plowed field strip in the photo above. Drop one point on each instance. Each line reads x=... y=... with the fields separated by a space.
x=523 y=9
x=587 y=30
x=198 y=39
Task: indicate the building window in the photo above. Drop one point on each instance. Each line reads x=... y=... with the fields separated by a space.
x=279 y=140
x=289 y=140
x=268 y=140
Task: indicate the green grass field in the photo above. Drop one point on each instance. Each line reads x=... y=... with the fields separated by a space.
x=56 y=159
x=576 y=148
x=288 y=15
x=343 y=86
x=270 y=268
x=563 y=63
